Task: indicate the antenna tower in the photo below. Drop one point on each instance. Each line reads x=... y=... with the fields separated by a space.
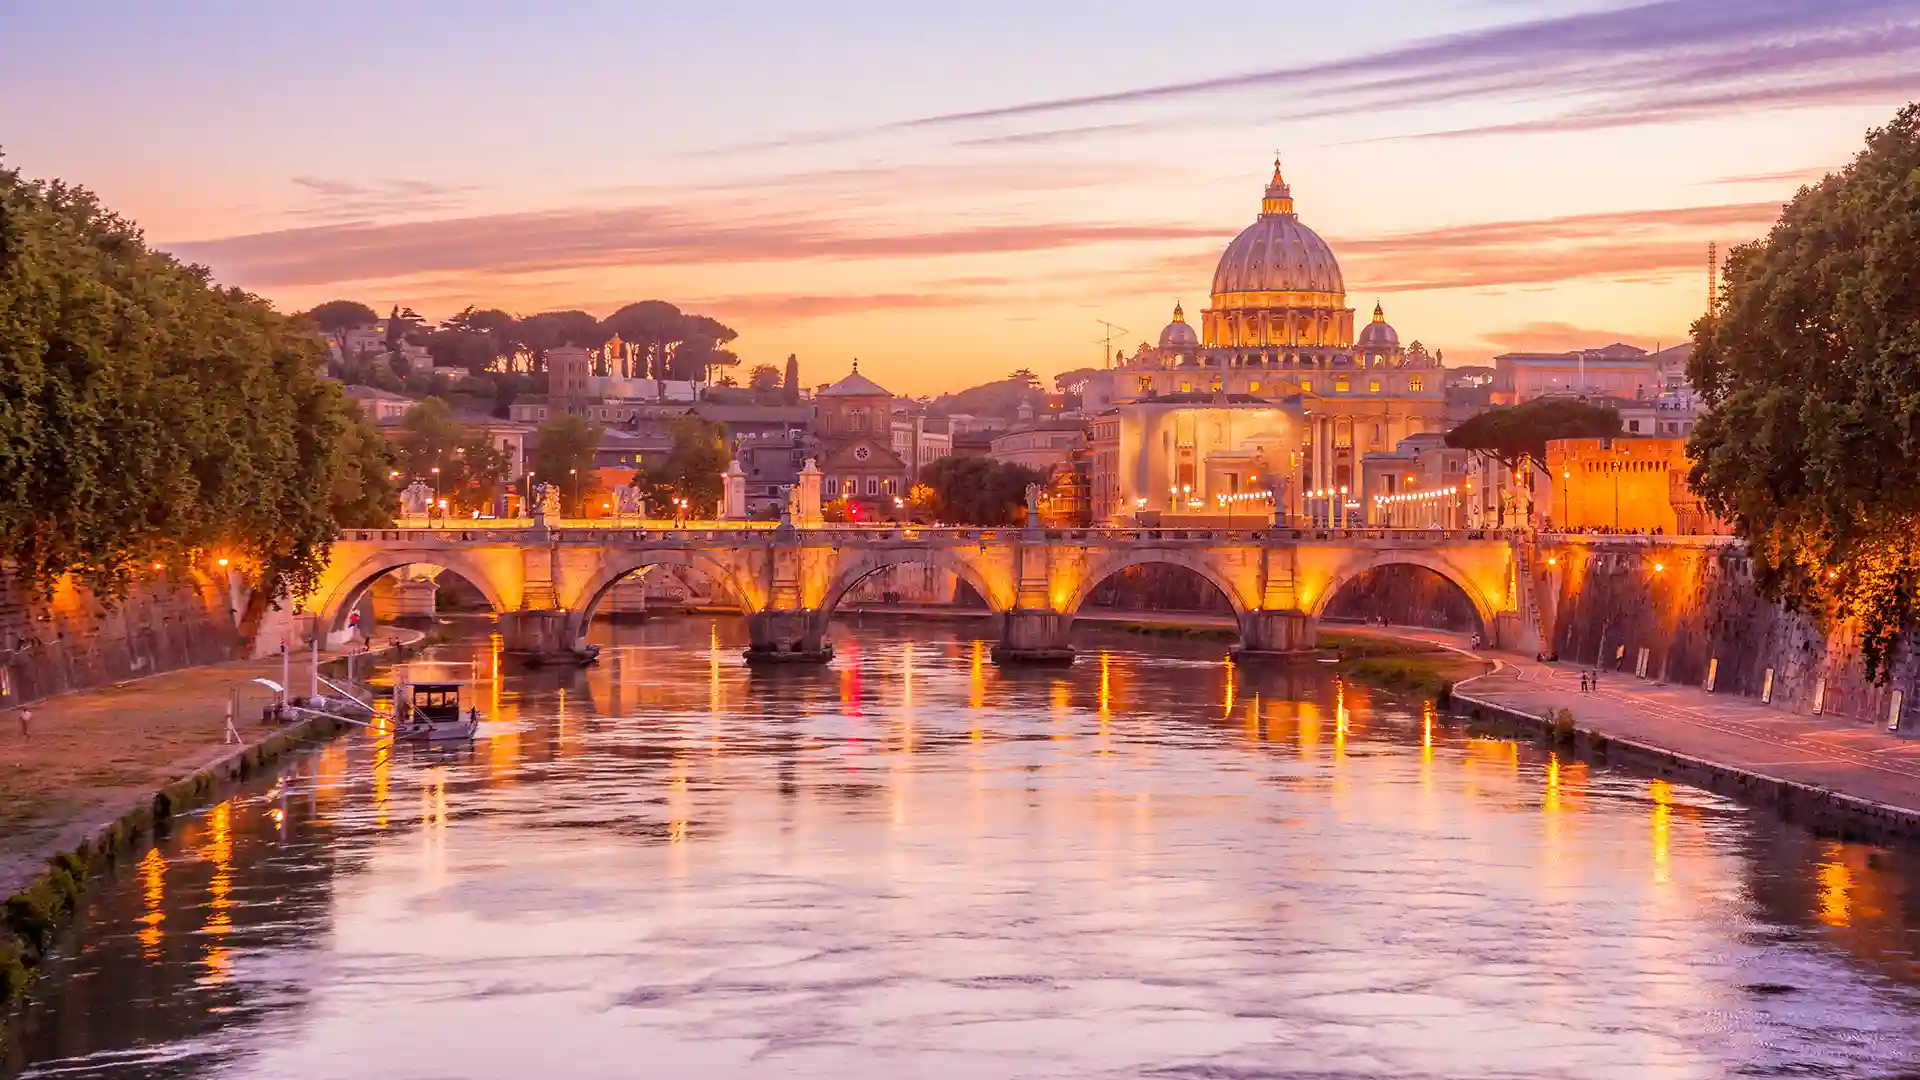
x=1105 y=341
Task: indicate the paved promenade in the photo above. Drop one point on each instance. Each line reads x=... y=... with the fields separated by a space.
x=92 y=755
x=1738 y=733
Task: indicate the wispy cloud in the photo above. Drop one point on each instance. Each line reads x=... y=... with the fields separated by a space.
x=344 y=200
x=1773 y=179
x=1556 y=337
x=1637 y=64
x=585 y=238
x=1639 y=244
x=815 y=307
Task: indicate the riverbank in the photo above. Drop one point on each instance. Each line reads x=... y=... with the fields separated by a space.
x=98 y=769
x=1836 y=775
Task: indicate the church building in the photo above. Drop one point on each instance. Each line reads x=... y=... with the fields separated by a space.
x=853 y=426
x=1274 y=399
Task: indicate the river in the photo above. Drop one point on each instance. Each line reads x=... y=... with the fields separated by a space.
x=914 y=864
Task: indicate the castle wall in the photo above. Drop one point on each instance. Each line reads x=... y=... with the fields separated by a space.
x=73 y=641
x=1690 y=602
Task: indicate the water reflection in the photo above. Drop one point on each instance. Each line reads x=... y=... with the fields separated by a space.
x=914 y=863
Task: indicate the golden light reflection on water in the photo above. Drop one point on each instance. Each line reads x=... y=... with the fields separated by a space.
x=1340 y=719
x=382 y=776
x=1226 y=708
x=1836 y=886
x=1661 y=793
x=153 y=895
x=218 y=850
x=977 y=682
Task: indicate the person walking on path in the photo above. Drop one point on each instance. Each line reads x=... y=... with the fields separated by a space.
x=26 y=724
x=1583 y=682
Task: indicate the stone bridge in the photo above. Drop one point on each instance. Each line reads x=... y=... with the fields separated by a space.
x=546 y=584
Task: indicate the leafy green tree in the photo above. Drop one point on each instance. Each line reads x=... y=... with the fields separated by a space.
x=764 y=379
x=470 y=466
x=977 y=490
x=149 y=415
x=337 y=316
x=655 y=327
x=693 y=470
x=790 y=383
x=1516 y=435
x=1810 y=364
x=702 y=348
x=551 y=329
x=565 y=453
x=364 y=493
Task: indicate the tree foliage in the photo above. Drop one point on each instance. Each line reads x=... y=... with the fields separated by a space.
x=149 y=415
x=1521 y=433
x=565 y=452
x=335 y=316
x=692 y=470
x=1811 y=367
x=471 y=467
x=976 y=490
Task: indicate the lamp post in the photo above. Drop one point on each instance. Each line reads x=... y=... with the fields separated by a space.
x=575 y=475
x=899 y=510
x=1566 y=476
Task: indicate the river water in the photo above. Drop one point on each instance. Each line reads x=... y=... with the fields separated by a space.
x=914 y=864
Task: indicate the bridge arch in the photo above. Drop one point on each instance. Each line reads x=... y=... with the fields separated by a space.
x=621 y=565
x=357 y=579
x=1198 y=563
x=1485 y=606
x=864 y=565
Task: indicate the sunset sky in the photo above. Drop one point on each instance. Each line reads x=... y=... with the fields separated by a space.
x=949 y=192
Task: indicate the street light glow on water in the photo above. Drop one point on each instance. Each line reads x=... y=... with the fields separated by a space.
x=913 y=863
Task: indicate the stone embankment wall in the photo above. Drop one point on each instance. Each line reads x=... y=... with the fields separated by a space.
x=71 y=640
x=1691 y=603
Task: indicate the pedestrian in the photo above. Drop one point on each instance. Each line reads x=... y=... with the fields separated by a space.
x=26 y=723
x=1596 y=680
x=1583 y=682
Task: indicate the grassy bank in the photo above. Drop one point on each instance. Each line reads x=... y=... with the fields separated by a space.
x=1401 y=665
x=132 y=756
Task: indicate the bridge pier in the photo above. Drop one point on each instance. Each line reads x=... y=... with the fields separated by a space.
x=1276 y=635
x=1034 y=637
x=787 y=637
x=543 y=637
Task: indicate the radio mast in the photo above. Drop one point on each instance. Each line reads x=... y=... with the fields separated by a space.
x=1105 y=341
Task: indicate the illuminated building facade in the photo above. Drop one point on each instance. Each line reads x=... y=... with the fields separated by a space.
x=1274 y=392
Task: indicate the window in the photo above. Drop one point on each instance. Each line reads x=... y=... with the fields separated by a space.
x=1145 y=383
x=1633 y=426
x=873 y=486
x=1340 y=386
x=886 y=487
x=1186 y=387
x=1306 y=386
x=1373 y=386
x=1253 y=387
x=1416 y=384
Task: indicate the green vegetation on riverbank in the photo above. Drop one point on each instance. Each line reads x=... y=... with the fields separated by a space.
x=1400 y=665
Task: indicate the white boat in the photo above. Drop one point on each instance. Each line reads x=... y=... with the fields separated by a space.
x=430 y=712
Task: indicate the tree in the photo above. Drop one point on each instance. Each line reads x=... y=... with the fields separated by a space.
x=765 y=383
x=656 y=327
x=1520 y=434
x=152 y=416
x=363 y=494
x=692 y=470
x=977 y=490
x=471 y=467
x=790 y=385
x=565 y=454
x=552 y=329
x=337 y=316
x=1810 y=365
x=701 y=349
x=923 y=502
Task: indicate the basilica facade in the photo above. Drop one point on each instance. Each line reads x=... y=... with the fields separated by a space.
x=1274 y=399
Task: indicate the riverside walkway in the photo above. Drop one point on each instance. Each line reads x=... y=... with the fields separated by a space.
x=92 y=755
x=1754 y=748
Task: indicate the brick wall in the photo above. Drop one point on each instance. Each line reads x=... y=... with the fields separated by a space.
x=72 y=641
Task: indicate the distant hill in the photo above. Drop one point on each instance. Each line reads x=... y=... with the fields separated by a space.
x=1001 y=398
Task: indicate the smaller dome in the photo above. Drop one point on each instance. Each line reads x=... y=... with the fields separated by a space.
x=1179 y=335
x=1378 y=335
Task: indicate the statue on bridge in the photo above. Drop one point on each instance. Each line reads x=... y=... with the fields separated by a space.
x=1033 y=506
x=629 y=501
x=546 y=503
x=417 y=500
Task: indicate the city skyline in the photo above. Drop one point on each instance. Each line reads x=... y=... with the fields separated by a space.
x=952 y=195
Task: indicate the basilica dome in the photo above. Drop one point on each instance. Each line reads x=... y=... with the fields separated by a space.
x=1378 y=335
x=1179 y=334
x=1277 y=254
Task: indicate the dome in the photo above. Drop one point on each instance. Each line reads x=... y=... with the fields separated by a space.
x=1277 y=254
x=1378 y=335
x=1178 y=334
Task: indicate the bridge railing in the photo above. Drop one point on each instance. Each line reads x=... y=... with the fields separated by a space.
x=730 y=534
